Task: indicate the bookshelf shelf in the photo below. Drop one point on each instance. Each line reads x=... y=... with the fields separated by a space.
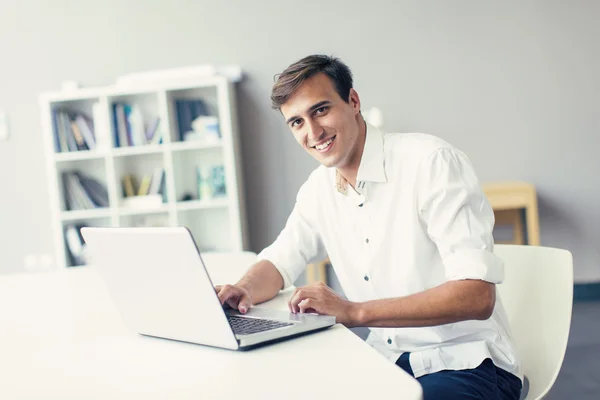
x=79 y=155
x=143 y=211
x=183 y=146
x=77 y=215
x=202 y=204
x=137 y=150
x=136 y=138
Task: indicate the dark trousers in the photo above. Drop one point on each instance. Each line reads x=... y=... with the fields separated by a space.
x=484 y=382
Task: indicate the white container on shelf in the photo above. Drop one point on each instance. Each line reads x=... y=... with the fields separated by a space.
x=147 y=202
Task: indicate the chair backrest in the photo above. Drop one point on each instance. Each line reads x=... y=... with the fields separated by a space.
x=537 y=294
x=228 y=268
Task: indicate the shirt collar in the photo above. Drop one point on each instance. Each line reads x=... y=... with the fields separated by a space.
x=371 y=168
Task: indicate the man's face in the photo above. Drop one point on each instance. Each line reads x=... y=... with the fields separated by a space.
x=322 y=123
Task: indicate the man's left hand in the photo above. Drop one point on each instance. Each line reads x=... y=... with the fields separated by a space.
x=321 y=299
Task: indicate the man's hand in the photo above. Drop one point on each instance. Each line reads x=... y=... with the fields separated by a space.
x=319 y=298
x=235 y=296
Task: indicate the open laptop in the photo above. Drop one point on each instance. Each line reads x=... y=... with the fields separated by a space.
x=161 y=287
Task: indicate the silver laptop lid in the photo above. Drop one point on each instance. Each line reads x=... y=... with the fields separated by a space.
x=159 y=283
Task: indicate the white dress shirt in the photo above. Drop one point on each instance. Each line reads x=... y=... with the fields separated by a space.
x=417 y=218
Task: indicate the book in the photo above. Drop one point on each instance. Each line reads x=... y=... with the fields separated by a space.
x=65 y=120
x=126 y=113
x=129 y=185
x=57 y=139
x=152 y=136
x=144 y=185
x=121 y=125
x=86 y=130
x=96 y=191
x=187 y=112
x=75 y=244
x=157 y=179
x=78 y=137
x=82 y=198
x=116 y=135
x=136 y=126
x=68 y=196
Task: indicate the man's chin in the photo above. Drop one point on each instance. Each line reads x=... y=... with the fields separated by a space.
x=327 y=162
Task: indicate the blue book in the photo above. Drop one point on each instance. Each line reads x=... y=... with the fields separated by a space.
x=66 y=121
x=115 y=125
x=199 y=109
x=180 y=124
x=184 y=117
x=57 y=148
x=127 y=109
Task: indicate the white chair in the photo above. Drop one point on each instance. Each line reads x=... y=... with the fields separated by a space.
x=537 y=294
x=225 y=267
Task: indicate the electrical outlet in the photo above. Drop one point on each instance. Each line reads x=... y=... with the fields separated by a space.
x=38 y=262
x=4 y=132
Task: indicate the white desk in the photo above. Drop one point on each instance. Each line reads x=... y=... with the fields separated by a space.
x=62 y=338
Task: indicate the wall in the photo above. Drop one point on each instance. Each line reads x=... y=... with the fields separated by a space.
x=513 y=84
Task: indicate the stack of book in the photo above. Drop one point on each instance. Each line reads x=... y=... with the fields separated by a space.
x=75 y=244
x=129 y=127
x=187 y=112
x=153 y=184
x=72 y=131
x=82 y=192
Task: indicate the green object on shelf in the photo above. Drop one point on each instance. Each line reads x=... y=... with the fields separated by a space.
x=204 y=186
x=218 y=181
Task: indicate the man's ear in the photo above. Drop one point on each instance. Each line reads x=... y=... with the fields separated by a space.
x=354 y=101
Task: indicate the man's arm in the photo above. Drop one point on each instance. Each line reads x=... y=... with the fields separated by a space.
x=450 y=302
x=260 y=283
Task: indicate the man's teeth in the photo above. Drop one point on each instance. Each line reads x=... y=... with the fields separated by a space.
x=324 y=145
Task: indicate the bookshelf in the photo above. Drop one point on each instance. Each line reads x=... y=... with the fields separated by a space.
x=140 y=132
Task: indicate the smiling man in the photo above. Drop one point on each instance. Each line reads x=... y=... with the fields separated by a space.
x=408 y=230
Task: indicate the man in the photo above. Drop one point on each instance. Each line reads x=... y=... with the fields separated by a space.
x=409 y=233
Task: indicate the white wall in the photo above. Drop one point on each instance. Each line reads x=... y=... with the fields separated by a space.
x=513 y=84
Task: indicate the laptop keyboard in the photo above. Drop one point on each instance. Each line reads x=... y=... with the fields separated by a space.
x=247 y=326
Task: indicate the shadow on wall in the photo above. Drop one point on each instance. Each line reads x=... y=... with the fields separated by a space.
x=559 y=228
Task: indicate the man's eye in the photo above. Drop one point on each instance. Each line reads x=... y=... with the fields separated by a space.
x=321 y=110
x=295 y=123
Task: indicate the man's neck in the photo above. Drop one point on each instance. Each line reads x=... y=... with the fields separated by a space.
x=350 y=171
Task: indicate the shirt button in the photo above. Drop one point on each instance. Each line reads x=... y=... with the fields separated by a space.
x=360 y=205
x=367 y=240
x=389 y=340
x=366 y=278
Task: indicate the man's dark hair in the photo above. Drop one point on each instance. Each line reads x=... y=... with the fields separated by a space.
x=292 y=78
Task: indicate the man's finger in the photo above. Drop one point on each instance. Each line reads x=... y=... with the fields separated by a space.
x=307 y=305
x=244 y=305
x=232 y=302
x=301 y=294
x=296 y=298
x=226 y=294
x=290 y=300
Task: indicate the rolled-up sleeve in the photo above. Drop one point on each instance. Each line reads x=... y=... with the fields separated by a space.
x=299 y=243
x=458 y=217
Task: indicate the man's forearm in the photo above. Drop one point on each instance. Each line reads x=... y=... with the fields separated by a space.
x=448 y=303
x=262 y=281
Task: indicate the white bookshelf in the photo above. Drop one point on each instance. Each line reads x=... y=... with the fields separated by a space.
x=217 y=224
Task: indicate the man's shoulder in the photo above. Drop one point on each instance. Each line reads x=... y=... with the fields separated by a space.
x=319 y=177
x=407 y=151
x=415 y=144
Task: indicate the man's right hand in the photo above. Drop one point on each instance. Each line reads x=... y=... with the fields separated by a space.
x=235 y=296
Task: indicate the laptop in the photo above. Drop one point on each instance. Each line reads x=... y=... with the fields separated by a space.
x=162 y=288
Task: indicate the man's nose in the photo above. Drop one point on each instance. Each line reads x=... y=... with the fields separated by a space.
x=315 y=132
